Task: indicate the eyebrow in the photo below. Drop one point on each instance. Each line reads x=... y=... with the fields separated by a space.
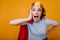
x=35 y=8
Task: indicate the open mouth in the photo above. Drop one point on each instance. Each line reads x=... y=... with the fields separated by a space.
x=36 y=16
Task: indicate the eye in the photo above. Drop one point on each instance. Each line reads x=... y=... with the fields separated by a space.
x=39 y=10
x=33 y=9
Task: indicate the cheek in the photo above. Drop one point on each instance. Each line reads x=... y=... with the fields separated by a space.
x=33 y=12
x=39 y=13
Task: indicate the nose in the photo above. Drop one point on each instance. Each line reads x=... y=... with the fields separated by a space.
x=36 y=12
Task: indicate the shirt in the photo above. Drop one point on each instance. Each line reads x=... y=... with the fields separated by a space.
x=37 y=30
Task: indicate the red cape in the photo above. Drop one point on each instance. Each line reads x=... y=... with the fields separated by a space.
x=23 y=34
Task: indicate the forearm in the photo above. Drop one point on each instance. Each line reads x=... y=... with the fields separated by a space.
x=19 y=21
x=51 y=30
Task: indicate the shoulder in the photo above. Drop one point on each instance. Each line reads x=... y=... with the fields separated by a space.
x=50 y=22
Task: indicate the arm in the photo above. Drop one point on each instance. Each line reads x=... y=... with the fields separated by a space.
x=21 y=21
x=52 y=29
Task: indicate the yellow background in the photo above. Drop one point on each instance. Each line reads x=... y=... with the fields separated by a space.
x=12 y=9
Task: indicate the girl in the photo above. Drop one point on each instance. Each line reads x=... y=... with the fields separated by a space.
x=36 y=29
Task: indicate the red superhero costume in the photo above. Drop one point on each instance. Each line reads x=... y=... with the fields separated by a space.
x=23 y=34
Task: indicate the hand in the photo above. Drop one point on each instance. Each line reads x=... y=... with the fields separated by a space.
x=47 y=33
x=30 y=15
x=51 y=30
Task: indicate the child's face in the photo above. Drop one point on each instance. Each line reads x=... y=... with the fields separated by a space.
x=36 y=12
